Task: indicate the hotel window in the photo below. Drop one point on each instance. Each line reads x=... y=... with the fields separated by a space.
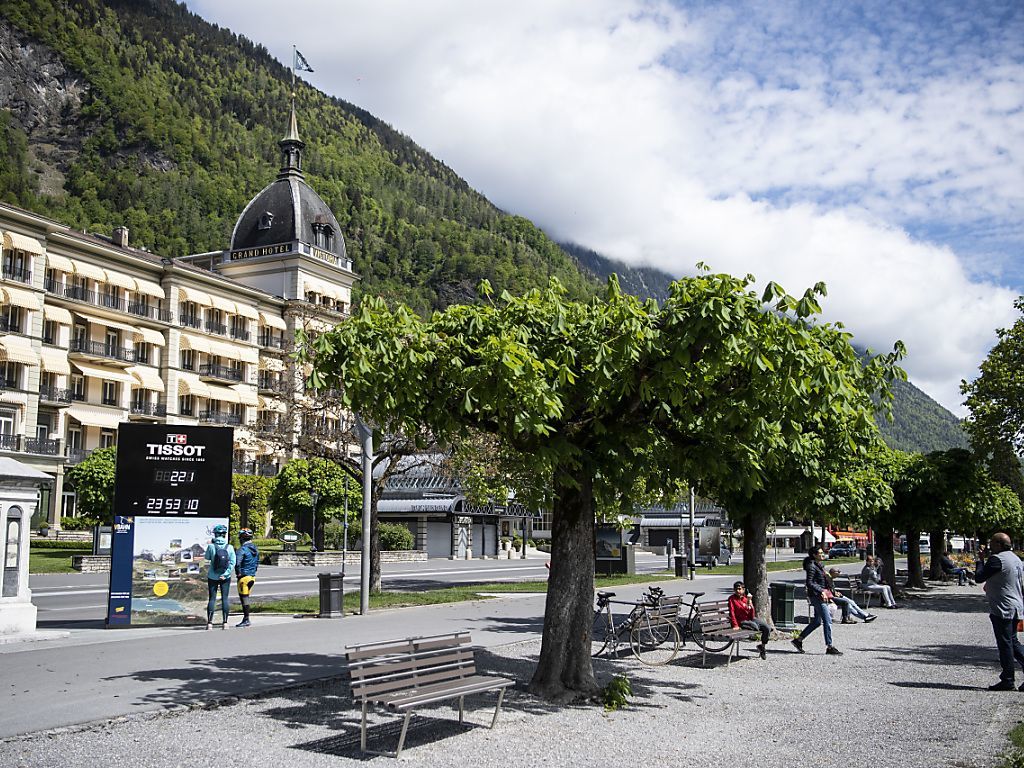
x=7 y=421
x=10 y=375
x=80 y=335
x=266 y=220
x=78 y=387
x=113 y=343
x=10 y=318
x=107 y=438
x=74 y=438
x=188 y=359
x=140 y=399
x=186 y=405
x=190 y=314
x=323 y=236
x=50 y=332
x=111 y=296
x=142 y=352
x=110 y=393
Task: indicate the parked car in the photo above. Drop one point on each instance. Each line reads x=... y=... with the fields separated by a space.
x=843 y=549
x=724 y=557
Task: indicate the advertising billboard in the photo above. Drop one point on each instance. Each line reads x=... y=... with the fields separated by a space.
x=172 y=486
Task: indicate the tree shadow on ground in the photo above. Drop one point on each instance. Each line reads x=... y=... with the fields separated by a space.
x=939 y=686
x=954 y=654
x=70 y=624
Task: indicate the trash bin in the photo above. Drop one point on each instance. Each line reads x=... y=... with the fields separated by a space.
x=679 y=566
x=332 y=593
x=783 y=598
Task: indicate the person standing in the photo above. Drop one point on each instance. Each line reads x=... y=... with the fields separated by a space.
x=819 y=595
x=245 y=570
x=742 y=615
x=871 y=581
x=1003 y=576
x=221 y=557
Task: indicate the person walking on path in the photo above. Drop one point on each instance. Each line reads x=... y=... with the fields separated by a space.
x=1003 y=576
x=847 y=604
x=245 y=570
x=871 y=580
x=221 y=557
x=819 y=595
x=743 y=616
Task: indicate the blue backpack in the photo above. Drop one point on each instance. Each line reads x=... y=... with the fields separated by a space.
x=221 y=559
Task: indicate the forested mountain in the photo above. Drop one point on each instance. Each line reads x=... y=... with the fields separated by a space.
x=139 y=113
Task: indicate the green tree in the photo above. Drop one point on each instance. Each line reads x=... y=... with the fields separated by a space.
x=292 y=496
x=93 y=481
x=256 y=491
x=711 y=385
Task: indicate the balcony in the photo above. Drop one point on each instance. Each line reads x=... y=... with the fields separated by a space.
x=42 y=447
x=101 y=349
x=254 y=468
x=268 y=427
x=20 y=274
x=55 y=395
x=6 y=383
x=190 y=321
x=270 y=342
x=150 y=312
x=240 y=334
x=223 y=372
x=6 y=324
x=219 y=417
x=110 y=301
x=75 y=455
x=268 y=384
x=10 y=442
x=214 y=327
x=156 y=410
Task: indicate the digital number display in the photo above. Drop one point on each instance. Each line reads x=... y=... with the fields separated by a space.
x=174 y=476
x=158 y=505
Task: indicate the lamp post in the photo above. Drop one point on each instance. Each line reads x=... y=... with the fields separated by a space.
x=344 y=547
x=314 y=497
x=366 y=439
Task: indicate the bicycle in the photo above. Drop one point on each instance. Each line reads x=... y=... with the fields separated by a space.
x=650 y=626
x=694 y=629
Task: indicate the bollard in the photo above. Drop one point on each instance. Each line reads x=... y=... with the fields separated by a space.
x=679 y=566
x=332 y=596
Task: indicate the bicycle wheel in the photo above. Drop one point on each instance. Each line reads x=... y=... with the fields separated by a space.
x=601 y=634
x=654 y=640
x=711 y=646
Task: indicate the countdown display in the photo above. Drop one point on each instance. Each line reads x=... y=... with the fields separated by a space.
x=172 y=486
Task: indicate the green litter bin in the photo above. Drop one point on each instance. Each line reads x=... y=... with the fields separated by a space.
x=783 y=598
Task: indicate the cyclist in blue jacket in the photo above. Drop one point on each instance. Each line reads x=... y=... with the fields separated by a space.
x=245 y=569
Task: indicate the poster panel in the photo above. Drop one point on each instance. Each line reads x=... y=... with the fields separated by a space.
x=172 y=486
x=607 y=542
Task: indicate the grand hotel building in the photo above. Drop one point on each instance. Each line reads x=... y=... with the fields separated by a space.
x=95 y=332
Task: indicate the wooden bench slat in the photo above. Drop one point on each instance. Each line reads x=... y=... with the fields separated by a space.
x=410 y=645
x=434 y=694
x=405 y=682
x=393 y=664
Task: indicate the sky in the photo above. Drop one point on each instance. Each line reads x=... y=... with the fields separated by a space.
x=878 y=147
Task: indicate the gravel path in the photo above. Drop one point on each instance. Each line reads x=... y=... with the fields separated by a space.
x=909 y=691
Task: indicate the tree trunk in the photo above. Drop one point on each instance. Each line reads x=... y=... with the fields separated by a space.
x=755 y=569
x=319 y=525
x=884 y=550
x=564 y=671
x=937 y=543
x=375 y=582
x=915 y=579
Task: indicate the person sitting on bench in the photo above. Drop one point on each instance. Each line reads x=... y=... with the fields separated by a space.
x=847 y=604
x=743 y=616
x=871 y=581
x=950 y=568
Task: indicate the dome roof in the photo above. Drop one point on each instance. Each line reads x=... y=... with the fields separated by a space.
x=288 y=209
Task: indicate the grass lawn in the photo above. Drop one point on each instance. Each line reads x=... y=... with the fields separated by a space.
x=53 y=560
x=1014 y=757
x=457 y=594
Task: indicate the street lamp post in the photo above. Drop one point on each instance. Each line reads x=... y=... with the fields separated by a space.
x=366 y=439
x=314 y=497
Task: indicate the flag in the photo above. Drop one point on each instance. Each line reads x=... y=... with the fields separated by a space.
x=301 y=65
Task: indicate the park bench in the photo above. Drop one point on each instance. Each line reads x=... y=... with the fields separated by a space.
x=402 y=675
x=715 y=624
x=857 y=588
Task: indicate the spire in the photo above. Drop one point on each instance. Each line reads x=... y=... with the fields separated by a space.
x=291 y=149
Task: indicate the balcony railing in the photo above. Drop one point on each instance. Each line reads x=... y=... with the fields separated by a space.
x=10 y=442
x=7 y=325
x=111 y=301
x=75 y=455
x=254 y=468
x=268 y=427
x=102 y=349
x=16 y=273
x=149 y=409
x=215 y=327
x=224 y=372
x=267 y=384
x=219 y=417
x=190 y=321
x=240 y=334
x=271 y=342
x=55 y=395
x=44 y=447
x=152 y=312
x=6 y=383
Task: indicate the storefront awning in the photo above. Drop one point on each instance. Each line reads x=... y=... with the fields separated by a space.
x=147 y=378
x=55 y=361
x=94 y=416
x=18 y=349
x=16 y=242
x=19 y=297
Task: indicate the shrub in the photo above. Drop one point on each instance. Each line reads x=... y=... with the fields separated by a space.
x=78 y=523
x=394 y=536
x=53 y=544
x=616 y=694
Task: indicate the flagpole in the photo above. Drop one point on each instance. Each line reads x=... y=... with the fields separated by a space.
x=294 y=61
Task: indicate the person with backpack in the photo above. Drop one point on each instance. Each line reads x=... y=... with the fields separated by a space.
x=245 y=570
x=221 y=557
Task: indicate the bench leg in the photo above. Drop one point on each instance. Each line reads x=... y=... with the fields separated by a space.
x=362 y=731
x=497 y=709
x=401 y=738
x=462 y=709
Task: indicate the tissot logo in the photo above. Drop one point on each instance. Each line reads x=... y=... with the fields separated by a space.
x=177 y=439
x=176 y=449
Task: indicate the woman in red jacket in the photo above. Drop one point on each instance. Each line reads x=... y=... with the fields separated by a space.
x=743 y=616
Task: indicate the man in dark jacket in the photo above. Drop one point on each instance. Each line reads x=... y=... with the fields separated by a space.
x=247 y=562
x=818 y=594
x=1003 y=576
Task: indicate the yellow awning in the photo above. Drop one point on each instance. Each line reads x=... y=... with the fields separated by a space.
x=150 y=336
x=147 y=378
x=270 y=404
x=55 y=361
x=194 y=295
x=246 y=311
x=197 y=343
x=189 y=384
x=246 y=394
x=57 y=314
x=94 y=416
x=109 y=323
x=273 y=321
x=18 y=349
x=224 y=305
x=271 y=364
x=119 y=279
x=102 y=372
x=17 y=242
x=91 y=271
x=322 y=287
x=19 y=297
x=148 y=287
x=13 y=398
x=232 y=351
x=224 y=394
x=60 y=263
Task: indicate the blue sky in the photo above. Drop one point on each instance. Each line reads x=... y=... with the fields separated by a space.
x=875 y=146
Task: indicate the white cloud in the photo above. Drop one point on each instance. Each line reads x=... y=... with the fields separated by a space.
x=795 y=143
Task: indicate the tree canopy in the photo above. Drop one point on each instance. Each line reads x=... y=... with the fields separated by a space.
x=93 y=481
